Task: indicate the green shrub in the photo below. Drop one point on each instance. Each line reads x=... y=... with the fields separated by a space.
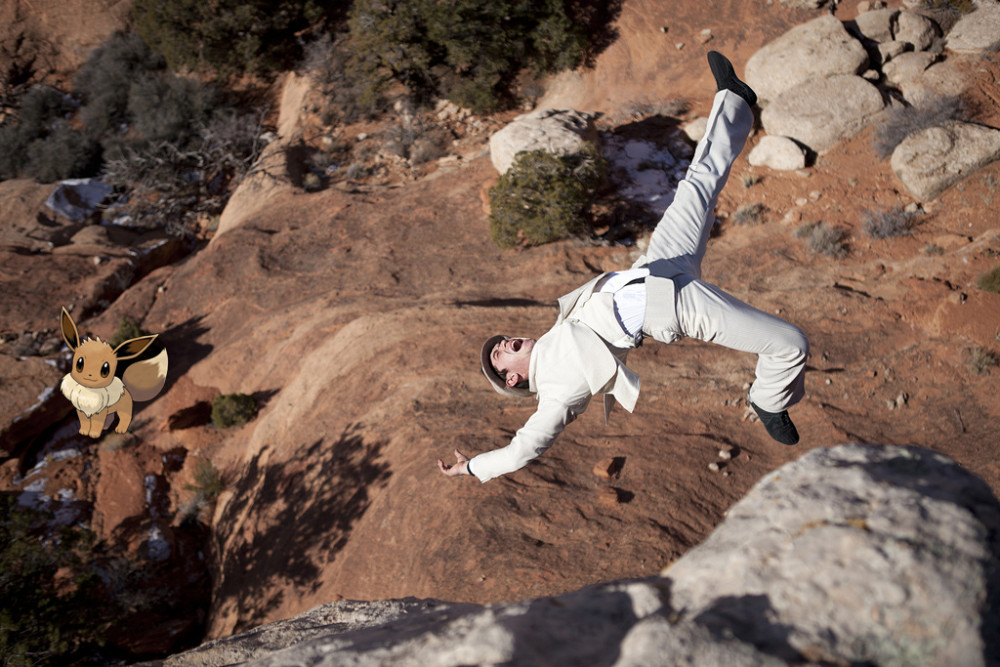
x=233 y=410
x=42 y=112
x=208 y=482
x=326 y=61
x=41 y=621
x=13 y=150
x=64 y=153
x=170 y=108
x=544 y=197
x=106 y=79
x=471 y=51
x=40 y=107
x=823 y=239
x=127 y=330
x=990 y=281
x=881 y=224
x=228 y=37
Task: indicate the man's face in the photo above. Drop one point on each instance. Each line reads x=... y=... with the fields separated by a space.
x=512 y=356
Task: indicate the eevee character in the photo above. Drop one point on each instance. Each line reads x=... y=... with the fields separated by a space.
x=94 y=388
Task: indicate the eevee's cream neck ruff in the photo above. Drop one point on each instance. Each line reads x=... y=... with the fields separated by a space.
x=89 y=400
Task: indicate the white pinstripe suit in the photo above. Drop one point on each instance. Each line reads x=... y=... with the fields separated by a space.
x=584 y=353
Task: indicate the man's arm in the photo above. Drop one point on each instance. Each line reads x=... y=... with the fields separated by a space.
x=530 y=441
x=461 y=466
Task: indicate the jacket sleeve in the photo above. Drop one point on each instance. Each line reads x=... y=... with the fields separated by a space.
x=530 y=441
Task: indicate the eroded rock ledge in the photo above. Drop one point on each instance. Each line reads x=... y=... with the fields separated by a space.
x=852 y=554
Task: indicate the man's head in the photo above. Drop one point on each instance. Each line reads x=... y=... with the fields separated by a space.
x=505 y=362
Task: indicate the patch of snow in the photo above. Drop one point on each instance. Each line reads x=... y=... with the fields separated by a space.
x=32 y=495
x=77 y=198
x=157 y=548
x=150 y=484
x=63 y=454
x=646 y=173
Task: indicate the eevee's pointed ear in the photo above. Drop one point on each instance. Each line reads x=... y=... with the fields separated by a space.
x=134 y=347
x=69 y=332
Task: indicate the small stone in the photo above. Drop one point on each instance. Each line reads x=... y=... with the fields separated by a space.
x=664 y=29
x=705 y=36
x=801 y=201
x=609 y=468
x=713 y=466
x=679 y=45
x=815 y=195
x=725 y=454
x=891 y=404
x=864 y=6
x=96 y=260
x=608 y=496
x=829 y=381
x=902 y=399
x=725 y=473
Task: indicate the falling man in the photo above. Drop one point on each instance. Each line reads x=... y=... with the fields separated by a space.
x=661 y=297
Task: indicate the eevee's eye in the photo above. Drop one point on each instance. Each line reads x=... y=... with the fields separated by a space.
x=79 y=364
x=105 y=369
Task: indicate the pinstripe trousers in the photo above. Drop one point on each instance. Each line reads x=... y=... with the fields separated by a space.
x=704 y=311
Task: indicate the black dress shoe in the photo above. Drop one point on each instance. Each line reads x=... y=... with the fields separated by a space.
x=726 y=79
x=778 y=424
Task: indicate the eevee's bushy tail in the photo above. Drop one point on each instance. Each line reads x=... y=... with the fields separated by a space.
x=145 y=379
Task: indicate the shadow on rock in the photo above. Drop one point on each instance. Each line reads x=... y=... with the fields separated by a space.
x=284 y=516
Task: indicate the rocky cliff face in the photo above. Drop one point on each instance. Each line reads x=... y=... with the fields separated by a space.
x=354 y=315
x=857 y=554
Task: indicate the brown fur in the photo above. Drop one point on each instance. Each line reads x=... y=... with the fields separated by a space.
x=91 y=380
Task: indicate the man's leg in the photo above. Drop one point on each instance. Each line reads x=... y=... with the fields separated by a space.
x=682 y=233
x=707 y=313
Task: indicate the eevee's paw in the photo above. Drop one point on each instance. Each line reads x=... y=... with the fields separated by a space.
x=84 y=430
x=121 y=429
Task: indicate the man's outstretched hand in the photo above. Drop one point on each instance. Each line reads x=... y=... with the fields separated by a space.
x=461 y=466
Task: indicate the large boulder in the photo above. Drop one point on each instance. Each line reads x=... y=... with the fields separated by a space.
x=779 y=153
x=552 y=130
x=977 y=31
x=877 y=24
x=930 y=161
x=823 y=111
x=810 y=51
x=858 y=554
x=915 y=29
x=945 y=78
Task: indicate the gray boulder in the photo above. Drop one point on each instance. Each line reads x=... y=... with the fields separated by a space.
x=977 y=31
x=876 y=25
x=946 y=78
x=555 y=131
x=907 y=66
x=777 y=152
x=932 y=160
x=858 y=554
x=823 y=111
x=915 y=29
x=816 y=49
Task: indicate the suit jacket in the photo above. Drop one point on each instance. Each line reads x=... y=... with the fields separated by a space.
x=581 y=356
